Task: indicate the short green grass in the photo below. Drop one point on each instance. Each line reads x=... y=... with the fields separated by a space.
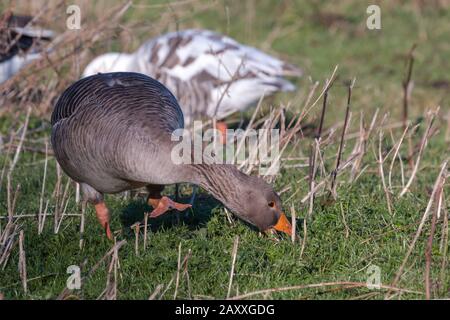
x=344 y=237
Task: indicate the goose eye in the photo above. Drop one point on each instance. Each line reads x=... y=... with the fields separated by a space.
x=271 y=204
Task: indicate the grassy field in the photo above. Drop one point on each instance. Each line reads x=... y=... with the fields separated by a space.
x=341 y=239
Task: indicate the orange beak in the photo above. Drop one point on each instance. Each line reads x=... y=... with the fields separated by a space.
x=283 y=225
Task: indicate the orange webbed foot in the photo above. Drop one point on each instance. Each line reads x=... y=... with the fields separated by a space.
x=165 y=204
x=103 y=217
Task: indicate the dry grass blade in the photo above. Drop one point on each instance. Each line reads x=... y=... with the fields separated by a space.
x=233 y=263
x=444 y=241
x=177 y=281
x=396 y=154
x=421 y=149
x=110 y=292
x=13 y=164
x=381 y=168
x=429 y=246
x=293 y=223
x=343 y=284
x=23 y=262
x=7 y=241
x=136 y=228
x=156 y=292
x=41 y=199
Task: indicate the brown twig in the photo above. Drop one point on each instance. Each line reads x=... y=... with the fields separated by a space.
x=407 y=86
x=407 y=89
x=341 y=144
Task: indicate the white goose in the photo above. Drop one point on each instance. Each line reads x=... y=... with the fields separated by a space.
x=20 y=43
x=210 y=74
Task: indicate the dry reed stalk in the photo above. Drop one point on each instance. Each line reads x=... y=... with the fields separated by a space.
x=429 y=245
x=77 y=192
x=407 y=90
x=444 y=241
x=341 y=144
x=177 y=280
x=312 y=173
x=421 y=149
x=7 y=241
x=313 y=191
x=188 y=281
x=305 y=237
x=22 y=262
x=347 y=229
x=360 y=151
x=229 y=216
x=396 y=154
x=136 y=228
x=421 y=224
x=7 y=153
x=297 y=126
x=156 y=292
x=64 y=203
x=82 y=223
x=358 y=148
x=233 y=263
x=14 y=163
x=343 y=284
x=110 y=291
x=56 y=193
x=293 y=223
x=41 y=199
x=381 y=169
x=315 y=146
x=145 y=229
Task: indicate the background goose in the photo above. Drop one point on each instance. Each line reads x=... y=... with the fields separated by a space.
x=210 y=74
x=20 y=43
x=112 y=132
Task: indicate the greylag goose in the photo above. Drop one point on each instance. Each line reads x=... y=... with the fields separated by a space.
x=210 y=74
x=112 y=132
x=20 y=43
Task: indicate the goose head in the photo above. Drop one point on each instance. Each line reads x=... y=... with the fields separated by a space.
x=261 y=206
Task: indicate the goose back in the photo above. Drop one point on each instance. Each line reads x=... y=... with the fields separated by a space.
x=112 y=130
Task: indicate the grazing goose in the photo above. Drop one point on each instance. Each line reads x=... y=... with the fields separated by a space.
x=20 y=43
x=112 y=132
x=209 y=73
